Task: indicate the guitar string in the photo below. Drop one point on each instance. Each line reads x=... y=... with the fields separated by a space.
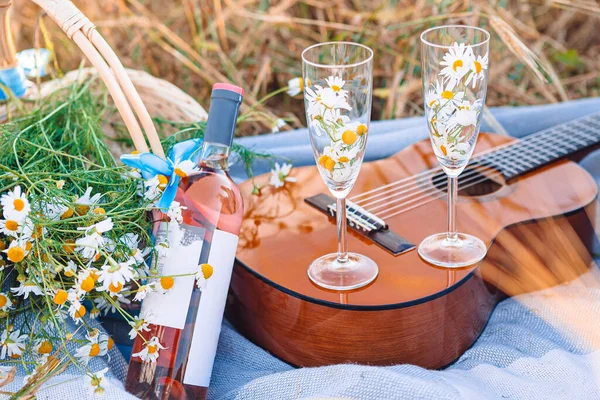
x=482 y=165
x=497 y=158
x=531 y=138
x=425 y=174
x=474 y=171
x=464 y=186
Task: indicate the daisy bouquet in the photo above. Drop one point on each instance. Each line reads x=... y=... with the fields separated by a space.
x=452 y=114
x=75 y=238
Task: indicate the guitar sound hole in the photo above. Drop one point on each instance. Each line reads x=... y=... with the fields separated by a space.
x=471 y=182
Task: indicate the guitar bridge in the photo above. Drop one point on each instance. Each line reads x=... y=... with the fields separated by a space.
x=364 y=223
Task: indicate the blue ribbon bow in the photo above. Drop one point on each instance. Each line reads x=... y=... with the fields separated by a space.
x=152 y=165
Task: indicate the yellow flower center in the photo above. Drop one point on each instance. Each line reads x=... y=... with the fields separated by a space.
x=326 y=162
x=477 y=66
x=162 y=180
x=115 y=288
x=362 y=129
x=81 y=312
x=28 y=246
x=349 y=137
x=180 y=173
x=432 y=103
x=135 y=152
x=344 y=159
x=448 y=95
x=110 y=344
x=69 y=246
x=152 y=349
x=11 y=225
x=336 y=88
x=300 y=82
x=207 y=270
x=19 y=204
x=60 y=297
x=3 y=300
x=16 y=254
x=99 y=211
x=457 y=64
x=87 y=284
x=82 y=209
x=167 y=282
x=45 y=347
x=67 y=214
x=94 y=350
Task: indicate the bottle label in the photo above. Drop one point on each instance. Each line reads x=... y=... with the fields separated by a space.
x=170 y=308
x=210 y=312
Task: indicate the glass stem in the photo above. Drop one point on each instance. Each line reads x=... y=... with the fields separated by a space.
x=452 y=193
x=341 y=230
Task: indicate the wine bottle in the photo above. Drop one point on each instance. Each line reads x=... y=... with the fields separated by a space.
x=187 y=319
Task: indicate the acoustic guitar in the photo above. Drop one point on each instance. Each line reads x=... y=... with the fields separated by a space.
x=532 y=206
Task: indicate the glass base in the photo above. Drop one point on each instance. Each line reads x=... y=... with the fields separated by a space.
x=465 y=251
x=357 y=272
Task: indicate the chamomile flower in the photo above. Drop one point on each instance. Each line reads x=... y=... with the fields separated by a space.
x=294 y=87
x=26 y=288
x=331 y=100
x=114 y=275
x=280 y=175
x=70 y=269
x=185 y=168
x=446 y=97
x=96 y=346
x=132 y=241
x=152 y=189
x=96 y=382
x=53 y=211
x=336 y=84
x=77 y=311
x=87 y=199
x=277 y=125
x=150 y=352
x=140 y=324
x=335 y=117
x=205 y=271
x=15 y=205
x=478 y=67
x=10 y=227
x=89 y=245
x=143 y=291
x=465 y=115
x=313 y=101
x=456 y=62
x=12 y=344
x=175 y=212
x=5 y=303
x=43 y=347
x=460 y=152
x=100 y=227
x=17 y=250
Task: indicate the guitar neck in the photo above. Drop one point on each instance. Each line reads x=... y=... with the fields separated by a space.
x=544 y=147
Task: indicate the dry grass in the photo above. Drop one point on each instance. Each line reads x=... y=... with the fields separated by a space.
x=542 y=50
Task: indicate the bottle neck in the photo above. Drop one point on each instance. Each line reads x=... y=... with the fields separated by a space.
x=215 y=155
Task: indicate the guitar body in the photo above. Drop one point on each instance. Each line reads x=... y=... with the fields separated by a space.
x=539 y=230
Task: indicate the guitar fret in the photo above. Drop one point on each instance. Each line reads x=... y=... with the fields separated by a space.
x=545 y=146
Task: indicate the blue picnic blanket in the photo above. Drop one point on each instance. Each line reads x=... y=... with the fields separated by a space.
x=543 y=345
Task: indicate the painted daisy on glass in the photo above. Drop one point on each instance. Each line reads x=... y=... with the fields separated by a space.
x=150 y=352
x=456 y=62
x=280 y=175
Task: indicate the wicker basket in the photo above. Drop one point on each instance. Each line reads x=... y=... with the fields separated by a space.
x=136 y=94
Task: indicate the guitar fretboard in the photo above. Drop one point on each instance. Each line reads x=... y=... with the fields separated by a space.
x=544 y=147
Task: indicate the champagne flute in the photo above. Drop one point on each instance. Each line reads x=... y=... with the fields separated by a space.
x=455 y=75
x=337 y=80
